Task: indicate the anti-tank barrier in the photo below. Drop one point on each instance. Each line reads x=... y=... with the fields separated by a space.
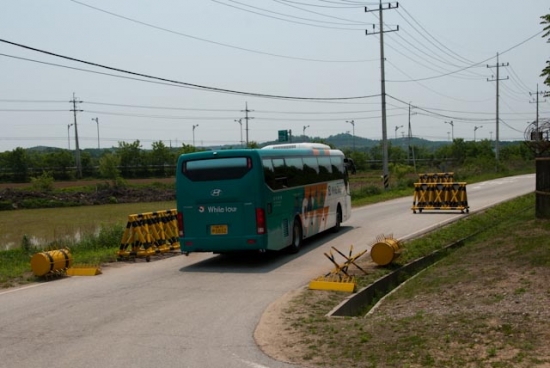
x=148 y=234
x=447 y=177
x=440 y=196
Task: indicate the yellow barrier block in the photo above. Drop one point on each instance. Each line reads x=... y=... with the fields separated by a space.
x=51 y=262
x=334 y=283
x=84 y=270
x=385 y=250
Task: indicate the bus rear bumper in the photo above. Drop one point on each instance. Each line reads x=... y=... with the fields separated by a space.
x=252 y=243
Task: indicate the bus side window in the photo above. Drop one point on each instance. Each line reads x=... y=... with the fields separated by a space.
x=280 y=172
x=269 y=173
x=338 y=169
x=295 y=171
x=325 y=169
x=311 y=170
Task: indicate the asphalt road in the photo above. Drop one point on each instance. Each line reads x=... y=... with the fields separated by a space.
x=195 y=311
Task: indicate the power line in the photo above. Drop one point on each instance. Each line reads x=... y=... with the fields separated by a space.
x=197 y=86
x=466 y=61
x=286 y=3
x=33 y=101
x=211 y=41
x=340 y=5
x=292 y=16
x=32 y=110
x=223 y=118
x=467 y=67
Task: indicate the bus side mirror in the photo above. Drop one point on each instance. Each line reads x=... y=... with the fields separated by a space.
x=350 y=165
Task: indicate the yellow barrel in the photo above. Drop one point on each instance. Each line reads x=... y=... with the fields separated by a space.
x=52 y=261
x=385 y=251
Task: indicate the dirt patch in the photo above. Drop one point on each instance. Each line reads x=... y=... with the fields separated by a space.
x=85 y=193
x=85 y=183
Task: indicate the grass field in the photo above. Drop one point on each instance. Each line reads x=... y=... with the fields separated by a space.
x=92 y=233
x=46 y=226
x=483 y=305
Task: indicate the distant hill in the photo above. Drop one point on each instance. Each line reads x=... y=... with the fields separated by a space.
x=341 y=141
x=346 y=141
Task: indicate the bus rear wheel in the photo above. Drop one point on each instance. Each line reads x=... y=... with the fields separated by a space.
x=296 y=244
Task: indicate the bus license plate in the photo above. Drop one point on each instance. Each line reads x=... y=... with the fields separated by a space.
x=218 y=229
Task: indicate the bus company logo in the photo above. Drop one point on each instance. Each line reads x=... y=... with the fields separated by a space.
x=215 y=192
x=201 y=209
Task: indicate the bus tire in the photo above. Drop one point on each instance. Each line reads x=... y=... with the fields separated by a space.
x=296 y=244
x=336 y=228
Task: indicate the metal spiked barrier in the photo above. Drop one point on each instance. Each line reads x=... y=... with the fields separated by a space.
x=383 y=252
x=148 y=234
x=440 y=196
x=338 y=279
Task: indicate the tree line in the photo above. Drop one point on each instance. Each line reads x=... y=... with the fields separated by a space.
x=131 y=161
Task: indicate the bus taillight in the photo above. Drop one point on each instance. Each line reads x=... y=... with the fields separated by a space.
x=260 y=221
x=181 y=230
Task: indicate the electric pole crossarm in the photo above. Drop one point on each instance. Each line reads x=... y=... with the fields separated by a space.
x=390 y=6
x=378 y=32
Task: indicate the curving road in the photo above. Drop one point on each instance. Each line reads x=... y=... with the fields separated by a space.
x=196 y=311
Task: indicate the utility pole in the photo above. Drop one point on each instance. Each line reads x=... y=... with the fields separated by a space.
x=246 y=118
x=77 y=151
x=543 y=93
x=383 y=87
x=497 y=79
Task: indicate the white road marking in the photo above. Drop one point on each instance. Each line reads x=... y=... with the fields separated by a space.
x=19 y=289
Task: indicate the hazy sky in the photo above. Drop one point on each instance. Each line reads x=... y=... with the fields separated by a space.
x=247 y=51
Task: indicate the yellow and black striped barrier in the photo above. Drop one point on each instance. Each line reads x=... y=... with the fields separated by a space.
x=148 y=234
x=436 y=177
x=440 y=196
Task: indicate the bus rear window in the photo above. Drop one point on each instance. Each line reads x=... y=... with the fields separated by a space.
x=217 y=168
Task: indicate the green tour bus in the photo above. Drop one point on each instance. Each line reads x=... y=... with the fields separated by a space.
x=260 y=199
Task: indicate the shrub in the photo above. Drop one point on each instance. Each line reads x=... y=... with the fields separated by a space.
x=366 y=191
x=6 y=205
x=43 y=183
